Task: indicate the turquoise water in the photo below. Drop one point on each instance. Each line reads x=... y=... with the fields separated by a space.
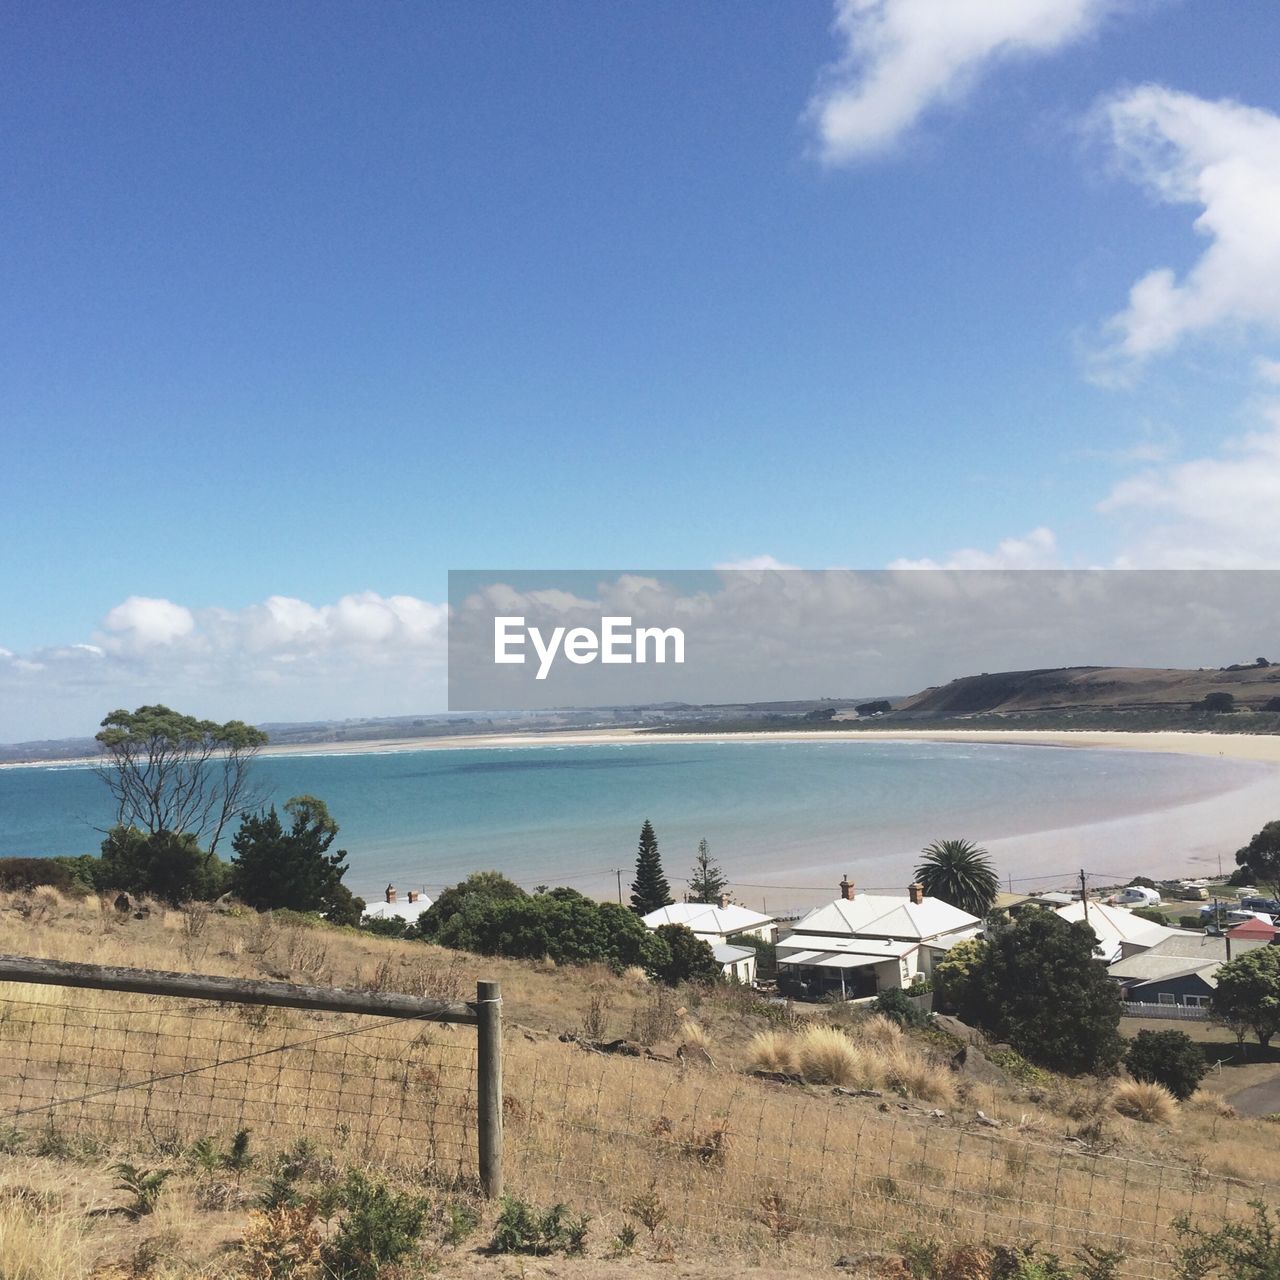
x=780 y=815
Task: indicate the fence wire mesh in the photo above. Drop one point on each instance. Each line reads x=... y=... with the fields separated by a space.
x=104 y=1068
x=738 y=1161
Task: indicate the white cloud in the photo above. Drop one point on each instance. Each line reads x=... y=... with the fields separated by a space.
x=1224 y=158
x=142 y=623
x=901 y=57
x=754 y=562
x=1036 y=550
x=1217 y=511
x=1267 y=370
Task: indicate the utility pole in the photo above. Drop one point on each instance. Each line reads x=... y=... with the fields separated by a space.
x=617 y=871
x=1084 y=894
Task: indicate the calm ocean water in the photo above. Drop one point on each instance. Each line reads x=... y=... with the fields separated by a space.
x=783 y=816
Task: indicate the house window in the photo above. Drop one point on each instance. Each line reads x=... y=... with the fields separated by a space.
x=1166 y=997
x=1196 y=1002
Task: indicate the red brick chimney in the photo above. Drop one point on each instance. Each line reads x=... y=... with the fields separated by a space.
x=413 y=895
x=391 y=893
x=916 y=892
x=846 y=888
x=724 y=901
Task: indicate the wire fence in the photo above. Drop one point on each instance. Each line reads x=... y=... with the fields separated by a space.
x=92 y=1068
x=735 y=1160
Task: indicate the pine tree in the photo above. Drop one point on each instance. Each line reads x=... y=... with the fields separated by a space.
x=650 y=889
x=708 y=881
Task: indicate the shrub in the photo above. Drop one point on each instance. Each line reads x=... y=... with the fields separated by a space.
x=377 y=1226
x=30 y=873
x=281 y=1243
x=144 y=1185
x=522 y=1228
x=1238 y=1250
x=772 y=1051
x=688 y=958
x=1144 y=1100
x=898 y=1005
x=882 y=1030
x=1150 y=913
x=166 y=864
x=1170 y=1058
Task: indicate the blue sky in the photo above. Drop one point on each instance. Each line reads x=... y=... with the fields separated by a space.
x=313 y=303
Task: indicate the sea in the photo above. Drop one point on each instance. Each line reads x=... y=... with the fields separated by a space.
x=784 y=819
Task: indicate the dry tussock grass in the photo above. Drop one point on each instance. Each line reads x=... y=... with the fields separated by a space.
x=1144 y=1100
x=39 y=1243
x=773 y=1051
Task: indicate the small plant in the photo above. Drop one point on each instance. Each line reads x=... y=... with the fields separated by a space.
x=378 y=1226
x=709 y=1147
x=782 y=1223
x=896 y=1004
x=238 y=1159
x=460 y=1221
x=205 y=1155
x=595 y=1024
x=648 y=1209
x=625 y=1241
x=522 y=1228
x=921 y=1257
x=1099 y=1264
x=144 y=1185
x=280 y=1244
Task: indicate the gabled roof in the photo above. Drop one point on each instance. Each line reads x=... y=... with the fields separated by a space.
x=879 y=948
x=880 y=916
x=1204 y=946
x=701 y=918
x=725 y=954
x=1147 y=966
x=1115 y=925
x=1258 y=929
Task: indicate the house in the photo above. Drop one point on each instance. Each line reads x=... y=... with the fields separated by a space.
x=722 y=926
x=394 y=907
x=1181 y=970
x=721 y=921
x=864 y=943
x=1119 y=932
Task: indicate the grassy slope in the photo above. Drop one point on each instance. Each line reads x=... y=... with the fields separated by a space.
x=605 y=1132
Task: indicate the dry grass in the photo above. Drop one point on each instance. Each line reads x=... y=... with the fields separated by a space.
x=773 y=1051
x=827 y=1056
x=1144 y=1100
x=921 y=1078
x=41 y=1243
x=694 y=1036
x=882 y=1031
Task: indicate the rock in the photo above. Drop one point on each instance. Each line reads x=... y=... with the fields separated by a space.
x=983 y=1118
x=856 y=1093
x=123 y=905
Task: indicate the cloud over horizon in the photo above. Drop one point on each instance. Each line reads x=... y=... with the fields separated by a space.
x=901 y=58
x=281 y=659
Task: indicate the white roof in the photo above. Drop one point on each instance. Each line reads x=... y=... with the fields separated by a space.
x=702 y=918
x=1113 y=926
x=879 y=948
x=880 y=916
x=401 y=909
x=725 y=954
x=831 y=960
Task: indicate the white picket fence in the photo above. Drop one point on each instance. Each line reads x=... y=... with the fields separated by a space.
x=1179 y=1012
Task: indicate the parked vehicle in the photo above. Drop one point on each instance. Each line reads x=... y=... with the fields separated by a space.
x=1136 y=896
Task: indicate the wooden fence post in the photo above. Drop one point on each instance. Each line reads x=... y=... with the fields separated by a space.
x=489 y=1072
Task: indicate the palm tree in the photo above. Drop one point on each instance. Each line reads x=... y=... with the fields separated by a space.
x=959 y=872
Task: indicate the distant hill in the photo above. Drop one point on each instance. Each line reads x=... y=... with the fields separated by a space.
x=1071 y=689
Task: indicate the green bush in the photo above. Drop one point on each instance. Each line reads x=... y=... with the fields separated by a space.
x=1170 y=1058
x=522 y=1228
x=897 y=1004
x=1237 y=1251
x=378 y=1226
x=28 y=873
x=688 y=958
x=164 y=864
